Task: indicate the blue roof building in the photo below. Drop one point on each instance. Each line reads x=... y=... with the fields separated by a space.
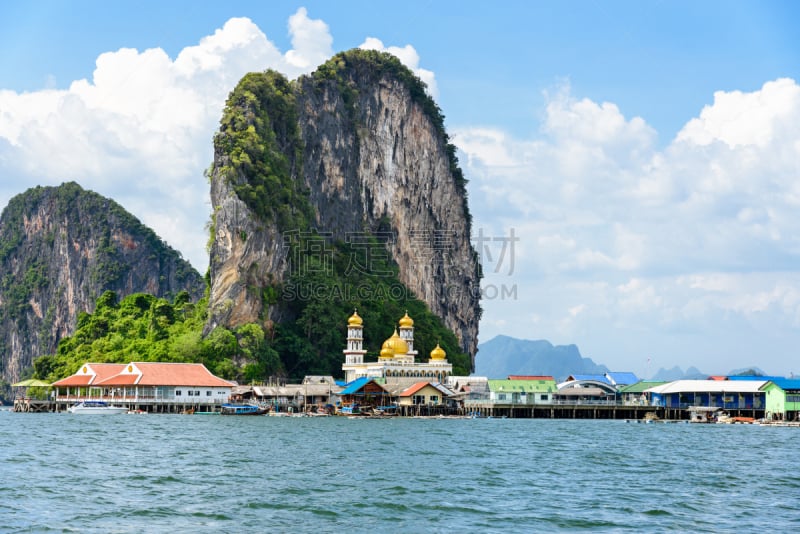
x=621 y=379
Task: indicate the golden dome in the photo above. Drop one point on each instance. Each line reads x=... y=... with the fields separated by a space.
x=355 y=319
x=438 y=353
x=386 y=352
x=406 y=321
x=396 y=344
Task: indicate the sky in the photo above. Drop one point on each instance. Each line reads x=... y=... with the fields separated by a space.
x=633 y=167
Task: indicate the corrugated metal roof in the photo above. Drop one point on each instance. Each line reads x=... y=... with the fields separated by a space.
x=708 y=386
x=580 y=392
x=355 y=385
x=74 y=380
x=165 y=374
x=411 y=390
x=622 y=379
x=95 y=372
x=272 y=391
x=531 y=377
x=318 y=379
x=519 y=386
x=641 y=386
x=753 y=377
x=787 y=384
x=121 y=380
x=596 y=378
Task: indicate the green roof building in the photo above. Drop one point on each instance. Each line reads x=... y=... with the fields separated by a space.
x=782 y=399
x=523 y=391
x=635 y=393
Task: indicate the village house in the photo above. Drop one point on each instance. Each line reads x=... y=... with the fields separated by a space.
x=145 y=386
x=725 y=394
x=635 y=394
x=522 y=390
x=423 y=393
x=782 y=399
x=315 y=392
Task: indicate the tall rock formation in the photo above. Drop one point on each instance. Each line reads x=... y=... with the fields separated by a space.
x=355 y=149
x=61 y=248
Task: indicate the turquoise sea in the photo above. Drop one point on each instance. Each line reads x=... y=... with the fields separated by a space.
x=202 y=473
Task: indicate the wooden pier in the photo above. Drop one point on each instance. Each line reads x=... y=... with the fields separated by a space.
x=479 y=409
x=30 y=405
x=590 y=411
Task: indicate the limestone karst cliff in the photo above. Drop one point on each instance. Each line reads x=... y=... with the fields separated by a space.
x=61 y=248
x=356 y=151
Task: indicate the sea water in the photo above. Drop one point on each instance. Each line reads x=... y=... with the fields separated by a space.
x=204 y=473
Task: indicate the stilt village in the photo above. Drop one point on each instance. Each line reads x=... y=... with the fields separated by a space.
x=400 y=383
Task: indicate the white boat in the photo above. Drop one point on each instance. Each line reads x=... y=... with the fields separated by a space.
x=96 y=407
x=704 y=414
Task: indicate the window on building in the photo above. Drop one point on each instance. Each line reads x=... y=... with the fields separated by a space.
x=208 y=393
x=191 y=393
x=197 y=393
x=177 y=393
x=419 y=399
x=434 y=399
x=545 y=397
x=501 y=396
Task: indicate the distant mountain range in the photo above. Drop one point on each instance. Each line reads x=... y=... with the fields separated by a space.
x=676 y=373
x=504 y=355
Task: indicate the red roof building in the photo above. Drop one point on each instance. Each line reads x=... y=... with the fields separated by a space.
x=423 y=393
x=164 y=374
x=149 y=386
x=89 y=374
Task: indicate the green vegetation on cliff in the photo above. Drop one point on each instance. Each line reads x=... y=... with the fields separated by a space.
x=144 y=328
x=260 y=136
x=61 y=248
x=321 y=293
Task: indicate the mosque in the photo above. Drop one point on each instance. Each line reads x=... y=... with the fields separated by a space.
x=397 y=361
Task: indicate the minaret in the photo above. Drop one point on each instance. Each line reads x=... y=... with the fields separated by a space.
x=354 y=353
x=407 y=334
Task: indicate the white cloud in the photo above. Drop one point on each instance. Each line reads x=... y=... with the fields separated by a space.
x=311 y=40
x=408 y=56
x=575 y=310
x=694 y=245
x=741 y=119
x=140 y=131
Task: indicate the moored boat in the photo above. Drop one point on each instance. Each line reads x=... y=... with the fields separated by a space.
x=242 y=409
x=96 y=407
x=350 y=409
x=704 y=414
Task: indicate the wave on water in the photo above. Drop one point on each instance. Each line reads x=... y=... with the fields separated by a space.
x=210 y=474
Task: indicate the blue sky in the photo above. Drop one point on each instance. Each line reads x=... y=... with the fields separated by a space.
x=645 y=153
